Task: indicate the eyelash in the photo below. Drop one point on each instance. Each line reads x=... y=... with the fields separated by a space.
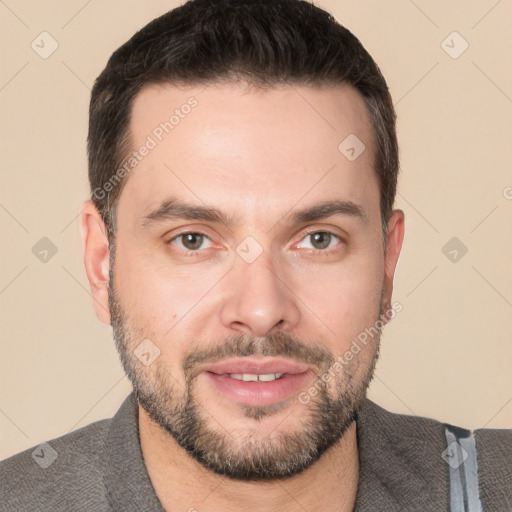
x=196 y=253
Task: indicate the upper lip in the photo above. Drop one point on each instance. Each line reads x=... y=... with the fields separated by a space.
x=261 y=366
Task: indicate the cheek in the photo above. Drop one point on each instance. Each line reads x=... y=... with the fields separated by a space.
x=161 y=299
x=345 y=298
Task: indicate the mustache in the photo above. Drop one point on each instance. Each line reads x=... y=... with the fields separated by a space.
x=241 y=345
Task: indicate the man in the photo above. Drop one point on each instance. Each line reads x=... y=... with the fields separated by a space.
x=241 y=241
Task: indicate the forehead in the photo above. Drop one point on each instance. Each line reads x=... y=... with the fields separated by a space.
x=251 y=150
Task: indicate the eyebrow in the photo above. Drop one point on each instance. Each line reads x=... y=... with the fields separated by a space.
x=175 y=209
x=327 y=209
x=172 y=209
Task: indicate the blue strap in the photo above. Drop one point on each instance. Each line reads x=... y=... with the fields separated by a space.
x=460 y=455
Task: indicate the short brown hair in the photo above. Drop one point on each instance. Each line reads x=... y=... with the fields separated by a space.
x=262 y=42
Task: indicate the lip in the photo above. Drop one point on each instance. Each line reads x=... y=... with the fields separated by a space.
x=295 y=377
x=256 y=365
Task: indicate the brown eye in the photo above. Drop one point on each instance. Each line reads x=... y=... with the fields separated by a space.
x=191 y=241
x=320 y=240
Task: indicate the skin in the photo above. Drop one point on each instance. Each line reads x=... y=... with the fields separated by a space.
x=258 y=156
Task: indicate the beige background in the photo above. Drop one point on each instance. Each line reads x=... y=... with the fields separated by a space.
x=447 y=355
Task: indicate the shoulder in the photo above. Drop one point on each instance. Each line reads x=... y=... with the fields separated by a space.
x=494 y=446
x=494 y=449
x=413 y=442
x=400 y=461
x=416 y=448
x=379 y=421
x=58 y=473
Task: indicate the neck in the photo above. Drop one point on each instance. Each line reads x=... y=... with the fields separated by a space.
x=181 y=483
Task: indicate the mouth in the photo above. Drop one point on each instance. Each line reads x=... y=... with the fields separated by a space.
x=257 y=382
x=254 y=377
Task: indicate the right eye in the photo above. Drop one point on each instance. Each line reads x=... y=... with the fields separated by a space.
x=191 y=241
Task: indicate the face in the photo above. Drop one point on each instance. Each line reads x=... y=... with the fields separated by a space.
x=249 y=256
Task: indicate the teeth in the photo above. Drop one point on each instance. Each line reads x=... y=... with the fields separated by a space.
x=253 y=377
x=266 y=377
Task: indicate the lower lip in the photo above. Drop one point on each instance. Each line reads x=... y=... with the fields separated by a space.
x=259 y=393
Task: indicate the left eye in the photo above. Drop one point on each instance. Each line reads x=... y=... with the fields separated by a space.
x=192 y=241
x=320 y=240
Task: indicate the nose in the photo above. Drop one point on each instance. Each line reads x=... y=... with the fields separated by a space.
x=258 y=299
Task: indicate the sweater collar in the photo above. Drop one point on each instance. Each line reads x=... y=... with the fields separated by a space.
x=400 y=464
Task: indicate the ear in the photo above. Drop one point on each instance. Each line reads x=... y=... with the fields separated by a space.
x=396 y=227
x=96 y=252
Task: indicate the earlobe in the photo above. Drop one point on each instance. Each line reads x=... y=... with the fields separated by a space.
x=396 y=229
x=96 y=253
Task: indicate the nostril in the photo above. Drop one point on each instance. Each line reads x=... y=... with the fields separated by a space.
x=239 y=326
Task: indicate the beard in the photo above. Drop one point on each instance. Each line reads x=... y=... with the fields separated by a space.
x=246 y=455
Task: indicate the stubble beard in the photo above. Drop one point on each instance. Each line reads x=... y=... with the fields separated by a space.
x=246 y=456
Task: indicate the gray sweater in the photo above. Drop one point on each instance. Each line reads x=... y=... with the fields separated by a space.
x=100 y=467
